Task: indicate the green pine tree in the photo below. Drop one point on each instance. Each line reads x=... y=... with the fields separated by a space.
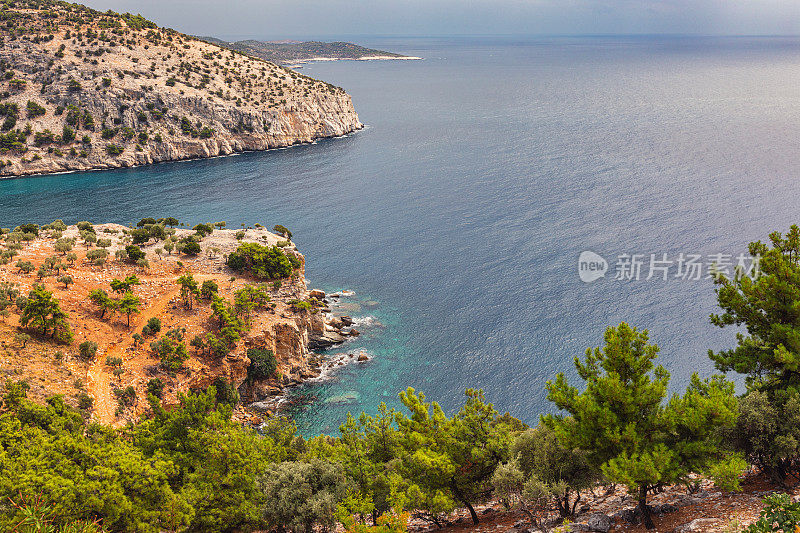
x=625 y=427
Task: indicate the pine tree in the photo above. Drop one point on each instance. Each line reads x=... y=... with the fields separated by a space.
x=769 y=308
x=189 y=289
x=129 y=304
x=448 y=460
x=620 y=420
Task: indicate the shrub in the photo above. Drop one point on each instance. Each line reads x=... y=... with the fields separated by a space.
x=40 y=138
x=87 y=350
x=778 y=514
x=191 y=248
x=22 y=339
x=114 y=149
x=726 y=473
x=125 y=397
x=67 y=134
x=282 y=230
x=208 y=289
x=561 y=472
x=85 y=226
x=85 y=401
x=97 y=255
x=262 y=364
x=204 y=229
x=147 y=221
x=154 y=323
x=323 y=485
x=34 y=109
x=299 y=305
x=226 y=392
x=155 y=387
x=171 y=353
x=266 y=262
x=768 y=433
x=134 y=253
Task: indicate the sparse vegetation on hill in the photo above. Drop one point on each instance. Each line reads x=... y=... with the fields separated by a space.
x=80 y=88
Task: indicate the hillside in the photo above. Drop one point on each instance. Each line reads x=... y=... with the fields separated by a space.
x=81 y=89
x=93 y=256
x=294 y=52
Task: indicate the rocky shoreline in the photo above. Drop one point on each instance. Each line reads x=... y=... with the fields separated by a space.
x=224 y=150
x=324 y=331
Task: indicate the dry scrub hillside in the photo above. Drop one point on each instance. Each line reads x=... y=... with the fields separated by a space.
x=112 y=384
x=83 y=89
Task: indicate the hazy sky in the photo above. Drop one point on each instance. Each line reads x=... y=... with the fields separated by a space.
x=283 y=18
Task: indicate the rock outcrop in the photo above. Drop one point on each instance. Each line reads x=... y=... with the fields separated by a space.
x=111 y=91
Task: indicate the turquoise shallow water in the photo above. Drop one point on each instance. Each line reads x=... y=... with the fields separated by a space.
x=485 y=171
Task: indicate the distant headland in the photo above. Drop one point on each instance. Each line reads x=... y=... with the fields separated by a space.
x=298 y=52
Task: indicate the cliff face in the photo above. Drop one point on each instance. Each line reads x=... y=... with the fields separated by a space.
x=82 y=90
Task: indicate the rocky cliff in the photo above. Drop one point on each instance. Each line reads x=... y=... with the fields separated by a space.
x=81 y=89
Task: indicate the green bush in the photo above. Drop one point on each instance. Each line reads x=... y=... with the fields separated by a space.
x=134 y=253
x=114 y=149
x=208 y=289
x=171 y=353
x=204 y=229
x=191 y=247
x=262 y=364
x=155 y=387
x=561 y=472
x=282 y=230
x=154 y=323
x=85 y=226
x=265 y=262
x=87 y=350
x=778 y=515
x=34 y=109
x=226 y=393
x=322 y=485
x=67 y=134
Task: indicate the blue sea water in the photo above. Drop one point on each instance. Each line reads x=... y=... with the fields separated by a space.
x=458 y=215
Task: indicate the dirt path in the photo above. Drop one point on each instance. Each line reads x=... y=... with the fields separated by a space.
x=100 y=376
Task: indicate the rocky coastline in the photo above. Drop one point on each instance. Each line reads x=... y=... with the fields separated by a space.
x=76 y=98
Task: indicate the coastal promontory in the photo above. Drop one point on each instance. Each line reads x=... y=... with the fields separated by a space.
x=82 y=89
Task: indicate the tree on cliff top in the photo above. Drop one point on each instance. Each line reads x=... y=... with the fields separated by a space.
x=620 y=420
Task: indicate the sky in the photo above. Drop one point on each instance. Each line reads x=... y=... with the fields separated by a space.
x=317 y=18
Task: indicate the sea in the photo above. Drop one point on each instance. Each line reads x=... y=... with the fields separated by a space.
x=510 y=198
